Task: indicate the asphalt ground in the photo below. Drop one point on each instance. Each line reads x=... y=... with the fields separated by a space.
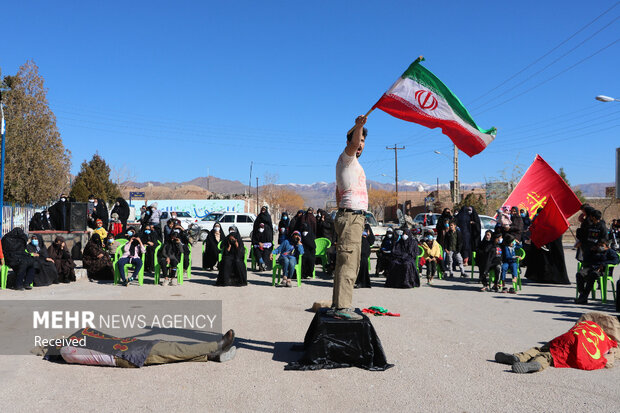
x=442 y=347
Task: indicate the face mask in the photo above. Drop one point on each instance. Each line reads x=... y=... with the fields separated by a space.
x=405 y=236
x=35 y=242
x=95 y=203
x=600 y=249
x=282 y=230
x=47 y=215
x=147 y=231
x=231 y=232
x=261 y=230
x=63 y=199
x=399 y=232
x=500 y=240
x=130 y=233
x=216 y=228
x=364 y=233
x=389 y=235
x=285 y=218
x=111 y=240
x=523 y=214
x=447 y=225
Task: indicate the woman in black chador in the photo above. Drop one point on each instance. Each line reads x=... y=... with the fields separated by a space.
x=363 y=276
x=232 y=270
x=403 y=272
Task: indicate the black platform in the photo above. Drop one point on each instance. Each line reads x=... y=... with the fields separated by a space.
x=332 y=343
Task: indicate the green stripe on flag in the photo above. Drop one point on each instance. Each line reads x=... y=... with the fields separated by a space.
x=420 y=74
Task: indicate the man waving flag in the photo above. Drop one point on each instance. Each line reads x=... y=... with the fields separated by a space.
x=419 y=96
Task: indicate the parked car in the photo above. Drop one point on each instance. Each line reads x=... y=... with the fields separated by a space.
x=426 y=222
x=206 y=224
x=185 y=218
x=378 y=229
x=486 y=223
x=242 y=220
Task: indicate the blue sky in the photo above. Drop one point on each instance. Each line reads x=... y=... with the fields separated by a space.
x=171 y=91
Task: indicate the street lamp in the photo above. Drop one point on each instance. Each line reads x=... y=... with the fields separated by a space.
x=455 y=182
x=603 y=98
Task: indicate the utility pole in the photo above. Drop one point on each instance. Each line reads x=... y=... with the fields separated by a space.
x=395 y=149
x=250 y=182
x=208 y=176
x=257 y=195
x=457 y=185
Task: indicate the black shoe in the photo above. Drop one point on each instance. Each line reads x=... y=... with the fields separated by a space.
x=28 y=287
x=224 y=344
x=583 y=299
x=506 y=358
x=529 y=367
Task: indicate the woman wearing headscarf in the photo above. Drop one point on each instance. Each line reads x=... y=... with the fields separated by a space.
x=363 y=275
x=263 y=218
x=468 y=222
x=232 y=270
x=484 y=253
x=403 y=272
x=61 y=256
x=384 y=255
x=210 y=255
x=283 y=227
x=45 y=273
x=262 y=245
x=309 y=218
x=150 y=241
x=309 y=257
x=443 y=224
x=96 y=260
x=295 y=224
x=121 y=207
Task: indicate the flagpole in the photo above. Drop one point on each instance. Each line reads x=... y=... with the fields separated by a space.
x=419 y=59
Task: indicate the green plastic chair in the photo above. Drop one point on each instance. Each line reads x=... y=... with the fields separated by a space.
x=602 y=282
x=277 y=271
x=473 y=263
x=189 y=265
x=156 y=264
x=322 y=245
x=128 y=267
x=417 y=259
x=4 y=273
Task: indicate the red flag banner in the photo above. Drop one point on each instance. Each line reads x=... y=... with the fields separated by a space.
x=536 y=187
x=549 y=224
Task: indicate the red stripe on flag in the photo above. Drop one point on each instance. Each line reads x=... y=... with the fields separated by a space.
x=462 y=138
x=549 y=224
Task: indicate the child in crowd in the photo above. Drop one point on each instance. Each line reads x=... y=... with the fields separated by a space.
x=452 y=243
x=432 y=257
x=494 y=263
x=510 y=261
x=99 y=229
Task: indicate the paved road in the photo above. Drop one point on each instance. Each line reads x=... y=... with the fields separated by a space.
x=442 y=347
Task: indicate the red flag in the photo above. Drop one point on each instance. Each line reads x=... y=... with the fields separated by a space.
x=549 y=224
x=539 y=183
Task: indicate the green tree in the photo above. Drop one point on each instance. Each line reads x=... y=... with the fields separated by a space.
x=37 y=163
x=94 y=178
x=577 y=192
x=473 y=200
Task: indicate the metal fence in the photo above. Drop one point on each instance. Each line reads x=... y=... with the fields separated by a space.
x=14 y=216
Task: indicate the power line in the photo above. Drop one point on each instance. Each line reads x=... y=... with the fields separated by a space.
x=546 y=54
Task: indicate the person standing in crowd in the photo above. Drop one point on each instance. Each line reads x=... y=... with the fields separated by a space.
x=352 y=198
x=153 y=218
x=494 y=262
x=452 y=245
x=594 y=268
x=483 y=255
x=324 y=225
x=211 y=252
x=97 y=209
x=403 y=271
x=443 y=225
x=263 y=218
x=60 y=255
x=363 y=275
x=468 y=222
x=309 y=218
x=384 y=255
x=59 y=214
x=308 y=260
x=283 y=227
x=295 y=224
x=99 y=229
x=121 y=207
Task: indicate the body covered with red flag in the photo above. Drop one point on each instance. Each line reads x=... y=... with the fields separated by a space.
x=582 y=347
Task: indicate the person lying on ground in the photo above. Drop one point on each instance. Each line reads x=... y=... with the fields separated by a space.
x=591 y=344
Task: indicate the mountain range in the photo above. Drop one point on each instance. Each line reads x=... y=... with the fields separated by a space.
x=315 y=194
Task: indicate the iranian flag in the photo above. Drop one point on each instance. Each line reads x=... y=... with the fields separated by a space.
x=419 y=96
